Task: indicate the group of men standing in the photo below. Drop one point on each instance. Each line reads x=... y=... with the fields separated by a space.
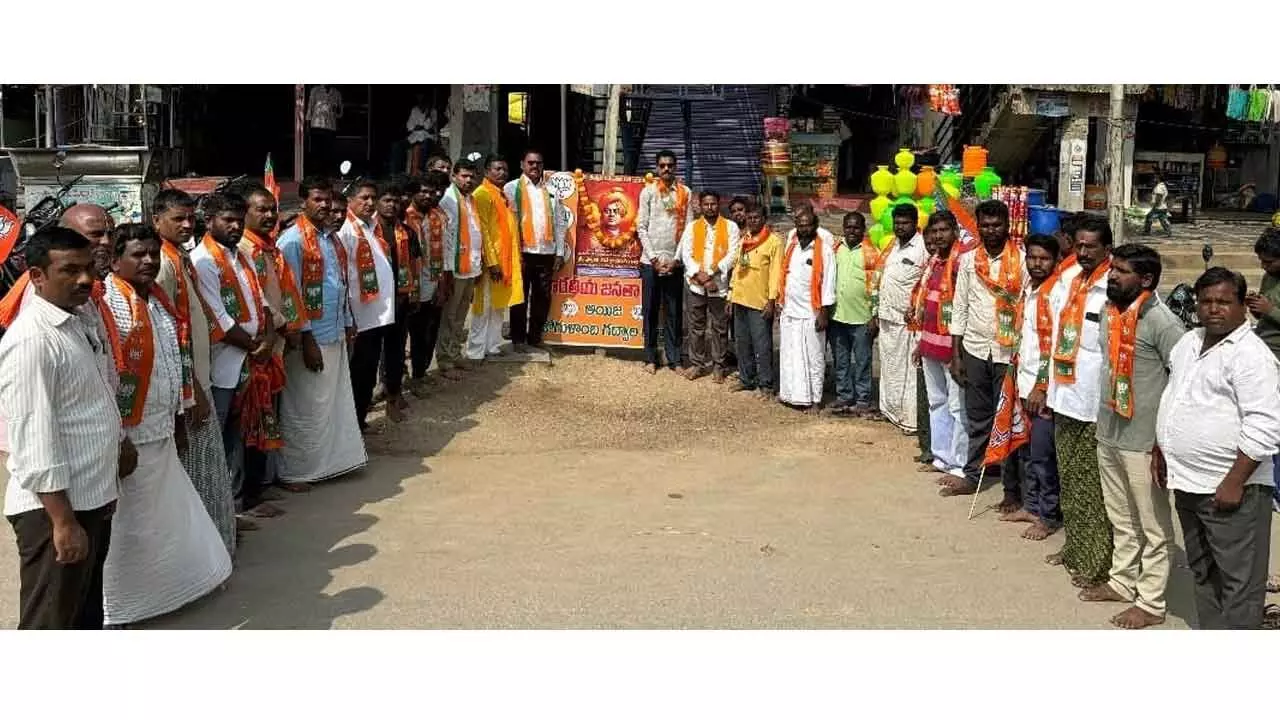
x=1122 y=402
x=167 y=389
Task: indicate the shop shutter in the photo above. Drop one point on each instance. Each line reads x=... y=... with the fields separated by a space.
x=727 y=136
x=665 y=131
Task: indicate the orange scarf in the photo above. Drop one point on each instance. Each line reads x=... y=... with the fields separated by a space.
x=750 y=242
x=11 y=304
x=719 y=245
x=946 y=293
x=524 y=213
x=313 y=267
x=229 y=288
x=815 y=283
x=260 y=380
x=135 y=354
x=406 y=265
x=1071 y=322
x=364 y=259
x=871 y=259
x=679 y=205
x=1122 y=333
x=290 y=297
x=430 y=237
x=502 y=208
x=1044 y=321
x=1007 y=289
x=462 y=258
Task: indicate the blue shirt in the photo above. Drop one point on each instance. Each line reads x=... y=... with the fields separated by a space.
x=331 y=326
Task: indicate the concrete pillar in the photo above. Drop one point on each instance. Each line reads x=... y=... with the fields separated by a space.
x=1130 y=133
x=1072 y=156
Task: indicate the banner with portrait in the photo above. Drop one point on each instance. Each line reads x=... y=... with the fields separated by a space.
x=595 y=298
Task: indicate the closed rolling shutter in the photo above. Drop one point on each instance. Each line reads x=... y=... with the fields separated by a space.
x=726 y=134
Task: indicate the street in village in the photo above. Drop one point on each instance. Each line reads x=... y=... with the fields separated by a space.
x=587 y=494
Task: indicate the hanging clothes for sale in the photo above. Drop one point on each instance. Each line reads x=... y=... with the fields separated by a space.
x=1237 y=103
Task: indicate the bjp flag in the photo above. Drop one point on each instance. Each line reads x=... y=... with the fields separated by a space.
x=269 y=178
x=1009 y=430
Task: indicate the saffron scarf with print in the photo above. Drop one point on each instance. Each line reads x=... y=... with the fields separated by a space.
x=134 y=352
x=265 y=251
x=1006 y=289
x=1122 y=333
x=1071 y=323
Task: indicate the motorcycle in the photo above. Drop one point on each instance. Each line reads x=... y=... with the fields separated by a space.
x=45 y=213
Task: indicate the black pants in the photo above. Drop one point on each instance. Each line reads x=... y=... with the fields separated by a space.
x=981 y=391
x=60 y=597
x=530 y=317
x=370 y=347
x=423 y=329
x=1228 y=554
x=662 y=292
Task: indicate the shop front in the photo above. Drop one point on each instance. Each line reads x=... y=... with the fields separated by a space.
x=1216 y=147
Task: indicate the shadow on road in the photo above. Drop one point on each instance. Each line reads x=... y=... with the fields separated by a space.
x=284 y=571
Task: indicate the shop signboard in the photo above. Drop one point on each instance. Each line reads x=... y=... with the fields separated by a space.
x=1052 y=105
x=121 y=198
x=595 y=298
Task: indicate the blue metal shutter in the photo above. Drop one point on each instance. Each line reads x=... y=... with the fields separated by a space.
x=727 y=137
x=665 y=131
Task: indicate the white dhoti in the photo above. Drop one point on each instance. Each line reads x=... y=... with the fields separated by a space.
x=802 y=361
x=165 y=551
x=897 y=375
x=485 y=336
x=318 y=423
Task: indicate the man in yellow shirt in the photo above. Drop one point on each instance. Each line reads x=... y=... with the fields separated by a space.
x=501 y=285
x=753 y=302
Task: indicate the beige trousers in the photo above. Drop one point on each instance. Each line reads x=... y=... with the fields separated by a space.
x=453 y=332
x=1142 y=524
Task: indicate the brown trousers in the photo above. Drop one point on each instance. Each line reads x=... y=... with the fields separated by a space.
x=54 y=596
x=708 y=326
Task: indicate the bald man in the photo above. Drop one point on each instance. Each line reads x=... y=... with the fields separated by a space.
x=93 y=222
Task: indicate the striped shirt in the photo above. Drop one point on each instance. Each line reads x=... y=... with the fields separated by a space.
x=935 y=344
x=56 y=390
x=164 y=391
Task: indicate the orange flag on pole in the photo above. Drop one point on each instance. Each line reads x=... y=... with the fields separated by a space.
x=1009 y=430
x=269 y=179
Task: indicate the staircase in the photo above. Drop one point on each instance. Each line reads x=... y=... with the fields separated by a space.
x=1008 y=136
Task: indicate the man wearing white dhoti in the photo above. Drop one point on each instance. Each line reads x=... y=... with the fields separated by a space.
x=165 y=551
x=322 y=436
x=807 y=290
x=901 y=270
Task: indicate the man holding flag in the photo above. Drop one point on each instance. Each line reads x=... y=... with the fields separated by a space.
x=1037 y=460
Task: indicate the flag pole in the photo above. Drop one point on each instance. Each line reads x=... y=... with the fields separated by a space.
x=977 y=492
